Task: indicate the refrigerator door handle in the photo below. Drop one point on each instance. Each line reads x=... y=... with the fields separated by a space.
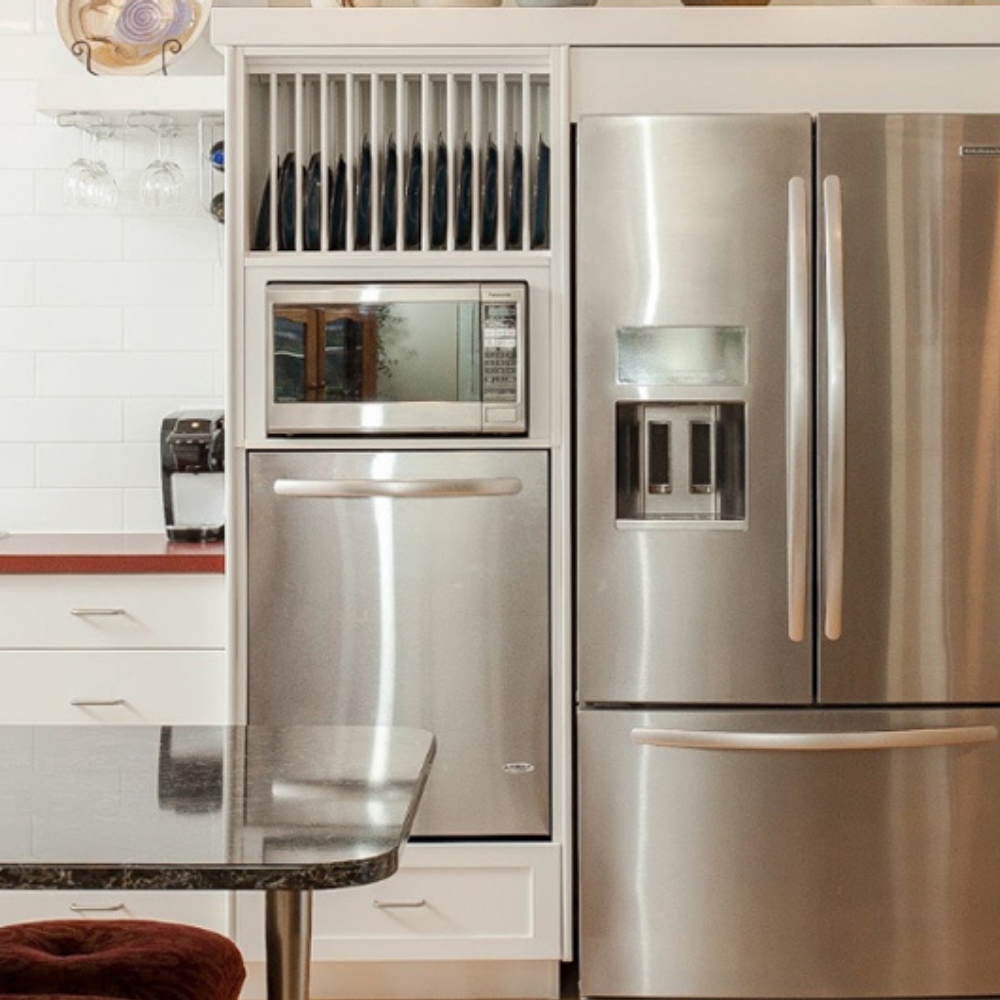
x=899 y=739
x=835 y=407
x=797 y=393
x=338 y=489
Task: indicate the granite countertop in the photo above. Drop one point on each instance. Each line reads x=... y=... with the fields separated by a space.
x=107 y=553
x=206 y=807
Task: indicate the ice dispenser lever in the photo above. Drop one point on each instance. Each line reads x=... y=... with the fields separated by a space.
x=701 y=438
x=658 y=457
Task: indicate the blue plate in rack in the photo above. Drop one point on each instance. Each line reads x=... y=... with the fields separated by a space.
x=490 y=182
x=312 y=197
x=515 y=203
x=540 y=217
x=389 y=195
x=463 y=210
x=262 y=230
x=439 y=203
x=286 y=203
x=363 y=208
x=338 y=207
x=413 y=195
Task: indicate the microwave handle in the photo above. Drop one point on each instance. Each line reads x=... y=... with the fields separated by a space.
x=342 y=489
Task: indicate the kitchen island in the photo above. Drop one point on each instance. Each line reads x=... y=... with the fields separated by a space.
x=281 y=809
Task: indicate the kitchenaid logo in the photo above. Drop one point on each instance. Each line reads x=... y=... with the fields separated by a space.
x=979 y=150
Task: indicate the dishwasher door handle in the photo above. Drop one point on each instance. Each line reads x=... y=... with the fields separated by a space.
x=346 y=489
x=898 y=739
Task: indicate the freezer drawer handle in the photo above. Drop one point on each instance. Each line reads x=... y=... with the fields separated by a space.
x=899 y=739
x=340 y=489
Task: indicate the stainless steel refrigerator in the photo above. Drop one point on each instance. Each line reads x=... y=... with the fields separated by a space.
x=788 y=555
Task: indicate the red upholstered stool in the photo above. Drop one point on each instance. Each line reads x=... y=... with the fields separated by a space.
x=128 y=959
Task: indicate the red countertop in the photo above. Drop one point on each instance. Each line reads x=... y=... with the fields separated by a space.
x=113 y=553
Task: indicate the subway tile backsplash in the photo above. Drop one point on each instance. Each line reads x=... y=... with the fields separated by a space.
x=109 y=320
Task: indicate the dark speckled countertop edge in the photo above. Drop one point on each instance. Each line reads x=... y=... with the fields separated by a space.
x=113 y=553
x=321 y=875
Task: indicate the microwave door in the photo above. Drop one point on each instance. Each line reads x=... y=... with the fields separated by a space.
x=380 y=359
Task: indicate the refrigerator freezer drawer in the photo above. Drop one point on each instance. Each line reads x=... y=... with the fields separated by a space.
x=834 y=862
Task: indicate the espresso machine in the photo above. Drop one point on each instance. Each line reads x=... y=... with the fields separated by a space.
x=192 y=461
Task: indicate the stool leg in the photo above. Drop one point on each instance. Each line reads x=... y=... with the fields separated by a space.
x=288 y=941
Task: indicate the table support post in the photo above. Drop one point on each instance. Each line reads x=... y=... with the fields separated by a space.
x=288 y=936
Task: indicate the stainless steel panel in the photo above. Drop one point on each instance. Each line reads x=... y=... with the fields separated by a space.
x=833 y=873
x=687 y=221
x=921 y=550
x=426 y=607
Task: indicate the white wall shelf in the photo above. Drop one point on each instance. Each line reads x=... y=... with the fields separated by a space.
x=186 y=98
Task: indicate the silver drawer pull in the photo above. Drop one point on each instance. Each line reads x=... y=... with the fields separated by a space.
x=96 y=612
x=97 y=908
x=96 y=702
x=398 y=904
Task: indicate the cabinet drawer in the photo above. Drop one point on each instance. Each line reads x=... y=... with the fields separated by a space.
x=161 y=686
x=202 y=909
x=445 y=902
x=170 y=610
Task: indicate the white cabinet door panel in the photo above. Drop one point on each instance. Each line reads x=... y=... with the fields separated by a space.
x=119 y=687
x=123 y=611
x=446 y=902
x=202 y=909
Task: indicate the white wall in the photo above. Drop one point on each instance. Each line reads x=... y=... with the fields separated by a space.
x=108 y=320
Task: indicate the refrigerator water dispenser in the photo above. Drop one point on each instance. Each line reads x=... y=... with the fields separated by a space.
x=681 y=461
x=678 y=458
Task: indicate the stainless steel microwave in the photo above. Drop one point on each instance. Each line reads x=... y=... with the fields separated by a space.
x=422 y=358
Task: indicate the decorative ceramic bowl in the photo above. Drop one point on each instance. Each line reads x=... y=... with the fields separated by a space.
x=130 y=36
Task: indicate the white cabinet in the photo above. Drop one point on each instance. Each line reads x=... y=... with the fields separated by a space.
x=114 y=649
x=201 y=909
x=456 y=920
x=113 y=611
x=177 y=687
x=447 y=902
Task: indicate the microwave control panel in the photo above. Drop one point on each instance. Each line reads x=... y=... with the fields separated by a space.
x=499 y=352
x=502 y=314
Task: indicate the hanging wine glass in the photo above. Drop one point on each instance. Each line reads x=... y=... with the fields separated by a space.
x=88 y=182
x=162 y=184
x=103 y=188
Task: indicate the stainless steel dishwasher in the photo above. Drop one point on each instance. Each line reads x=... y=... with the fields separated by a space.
x=411 y=587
